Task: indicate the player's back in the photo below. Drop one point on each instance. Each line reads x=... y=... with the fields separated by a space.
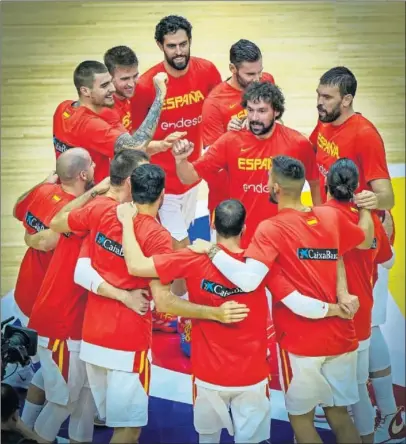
x=230 y=355
x=109 y=322
x=36 y=212
x=310 y=244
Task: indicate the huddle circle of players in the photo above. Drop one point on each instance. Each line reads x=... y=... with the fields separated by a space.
x=108 y=233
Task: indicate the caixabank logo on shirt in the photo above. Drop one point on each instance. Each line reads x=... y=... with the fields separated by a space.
x=109 y=244
x=219 y=290
x=33 y=222
x=60 y=146
x=317 y=254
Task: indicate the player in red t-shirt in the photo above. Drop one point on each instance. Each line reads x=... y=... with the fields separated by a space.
x=218 y=350
x=190 y=79
x=247 y=155
x=306 y=243
x=224 y=103
x=58 y=312
x=80 y=123
x=341 y=132
x=116 y=340
x=122 y=64
x=35 y=209
x=342 y=181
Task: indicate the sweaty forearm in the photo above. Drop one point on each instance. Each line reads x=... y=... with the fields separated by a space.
x=342 y=288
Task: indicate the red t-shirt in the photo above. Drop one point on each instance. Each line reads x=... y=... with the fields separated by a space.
x=383 y=251
x=182 y=111
x=78 y=126
x=36 y=212
x=119 y=114
x=358 y=140
x=59 y=308
x=359 y=269
x=109 y=323
x=306 y=245
x=230 y=355
x=247 y=161
x=223 y=104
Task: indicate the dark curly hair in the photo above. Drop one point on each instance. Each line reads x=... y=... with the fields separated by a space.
x=170 y=25
x=266 y=91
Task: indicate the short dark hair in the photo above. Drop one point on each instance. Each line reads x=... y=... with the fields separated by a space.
x=342 y=179
x=343 y=78
x=147 y=183
x=244 y=51
x=266 y=91
x=124 y=163
x=287 y=170
x=170 y=25
x=119 y=56
x=10 y=401
x=85 y=72
x=229 y=218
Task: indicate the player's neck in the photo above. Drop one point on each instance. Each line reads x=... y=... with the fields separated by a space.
x=292 y=204
x=75 y=189
x=345 y=115
x=117 y=193
x=95 y=108
x=232 y=81
x=148 y=209
x=175 y=72
x=232 y=243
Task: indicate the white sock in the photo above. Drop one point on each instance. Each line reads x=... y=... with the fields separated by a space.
x=363 y=412
x=30 y=413
x=384 y=396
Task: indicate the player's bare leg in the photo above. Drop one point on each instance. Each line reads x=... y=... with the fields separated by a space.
x=342 y=425
x=303 y=428
x=126 y=435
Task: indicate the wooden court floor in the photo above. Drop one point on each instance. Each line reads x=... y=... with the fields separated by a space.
x=42 y=42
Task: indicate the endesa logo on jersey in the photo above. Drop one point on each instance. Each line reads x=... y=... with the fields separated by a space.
x=256 y=187
x=181 y=123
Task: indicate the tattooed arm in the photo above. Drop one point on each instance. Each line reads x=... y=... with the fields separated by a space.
x=144 y=134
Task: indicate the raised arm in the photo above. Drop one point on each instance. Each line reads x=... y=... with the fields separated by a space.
x=143 y=135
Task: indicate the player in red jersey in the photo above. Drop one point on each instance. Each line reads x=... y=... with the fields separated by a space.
x=342 y=132
x=35 y=209
x=190 y=81
x=247 y=155
x=122 y=64
x=219 y=350
x=306 y=243
x=224 y=103
x=342 y=181
x=116 y=347
x=80 y=123
x=58 y=312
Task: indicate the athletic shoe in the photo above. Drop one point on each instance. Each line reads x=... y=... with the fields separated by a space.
x=391 y=428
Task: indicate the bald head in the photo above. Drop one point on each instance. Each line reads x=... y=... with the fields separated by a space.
x=70 y=163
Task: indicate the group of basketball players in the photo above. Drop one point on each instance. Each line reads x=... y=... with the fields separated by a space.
x=116 y=213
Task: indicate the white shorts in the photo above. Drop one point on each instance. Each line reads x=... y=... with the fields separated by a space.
x=309 y=381
x=381 y=290
x=120 y=397
x=250 y=420
x=178 y=212
x=63 y=372
x=363 y=362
